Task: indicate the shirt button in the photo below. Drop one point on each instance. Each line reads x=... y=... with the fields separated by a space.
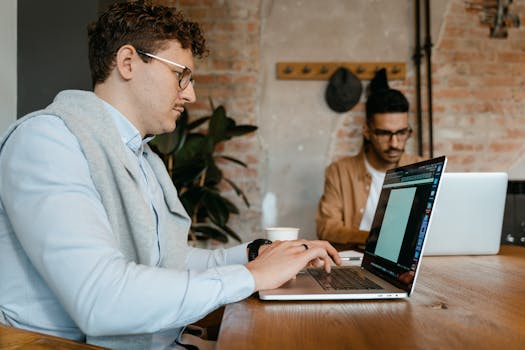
x=361 y=210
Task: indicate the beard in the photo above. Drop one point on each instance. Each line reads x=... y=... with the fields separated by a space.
x=392 y=155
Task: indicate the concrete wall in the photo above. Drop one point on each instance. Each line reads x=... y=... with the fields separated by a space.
x=298 y=129
x=298 y=134
x=8 y=68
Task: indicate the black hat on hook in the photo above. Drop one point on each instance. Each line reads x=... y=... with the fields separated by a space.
x=343 y=91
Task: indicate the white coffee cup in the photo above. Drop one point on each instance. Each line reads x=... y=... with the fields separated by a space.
x=282 y=233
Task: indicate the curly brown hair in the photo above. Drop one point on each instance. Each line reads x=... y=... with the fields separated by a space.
x=146 y=27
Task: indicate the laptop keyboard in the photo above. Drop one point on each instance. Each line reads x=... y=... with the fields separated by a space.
x=342 y=279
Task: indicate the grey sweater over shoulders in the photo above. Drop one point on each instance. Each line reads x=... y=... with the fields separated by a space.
x=116 y=177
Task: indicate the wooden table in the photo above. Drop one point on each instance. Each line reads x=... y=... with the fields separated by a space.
x=13 y=338
x=461 y=302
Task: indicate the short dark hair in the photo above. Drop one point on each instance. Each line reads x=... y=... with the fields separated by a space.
x=146 y=27
x=385 y=101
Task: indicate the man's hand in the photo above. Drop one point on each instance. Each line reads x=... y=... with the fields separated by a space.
x=282 y=260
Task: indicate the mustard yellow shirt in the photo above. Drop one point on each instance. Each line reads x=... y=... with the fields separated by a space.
x=342 y=205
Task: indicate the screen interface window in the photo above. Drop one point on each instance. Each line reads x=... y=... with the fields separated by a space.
x=396 y=238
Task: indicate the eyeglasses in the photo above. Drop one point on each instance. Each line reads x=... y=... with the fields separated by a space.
x=184 y=77
x=386 y=135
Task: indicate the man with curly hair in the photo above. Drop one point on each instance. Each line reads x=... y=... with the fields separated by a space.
x=93 y=237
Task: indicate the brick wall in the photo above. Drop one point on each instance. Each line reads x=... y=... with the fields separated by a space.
x=478 y=84
x=479 y=92
x=228 y=76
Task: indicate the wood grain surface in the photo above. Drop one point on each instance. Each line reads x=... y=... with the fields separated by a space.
x=460 y=302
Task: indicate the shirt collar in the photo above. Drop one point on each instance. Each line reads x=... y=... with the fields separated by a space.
x=128 y=132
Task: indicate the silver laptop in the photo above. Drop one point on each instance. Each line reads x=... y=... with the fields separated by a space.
x=394 y=247
x=469 y=215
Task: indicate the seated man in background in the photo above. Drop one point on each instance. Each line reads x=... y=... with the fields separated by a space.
x=353 y=184
x=93 y=237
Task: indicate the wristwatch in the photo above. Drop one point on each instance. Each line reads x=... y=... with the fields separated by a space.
x=253 y=247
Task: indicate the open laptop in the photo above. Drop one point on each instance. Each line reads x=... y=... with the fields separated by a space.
x=469 y=215
x=394 y=247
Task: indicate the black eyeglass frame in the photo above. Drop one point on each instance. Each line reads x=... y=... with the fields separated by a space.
x=185 y=77
x=386 y=135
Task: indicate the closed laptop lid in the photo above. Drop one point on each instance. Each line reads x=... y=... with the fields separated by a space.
x=468 y=217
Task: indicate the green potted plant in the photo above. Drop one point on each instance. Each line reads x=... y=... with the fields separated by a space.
x=189 y=153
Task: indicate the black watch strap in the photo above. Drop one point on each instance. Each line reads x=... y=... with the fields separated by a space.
x=253 y=247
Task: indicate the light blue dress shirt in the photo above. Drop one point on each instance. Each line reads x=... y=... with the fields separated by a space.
x=57 y=251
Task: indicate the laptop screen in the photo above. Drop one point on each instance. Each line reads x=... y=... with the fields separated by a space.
x=403 y=212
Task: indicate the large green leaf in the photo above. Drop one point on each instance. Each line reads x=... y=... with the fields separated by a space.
x=234 y=160
x=232 y=208
x=216 y=205
x=202 y=215
x=191 y=198
x=231 y=232
x=218 y=125
x=212 y=232
x=213 y=175
x=194 y=147
x=198 y=122
x=240 y=130
x=165 y=143
x=188 y=173
x=238 y=191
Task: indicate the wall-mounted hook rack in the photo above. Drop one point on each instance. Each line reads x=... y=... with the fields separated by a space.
x=323 y=70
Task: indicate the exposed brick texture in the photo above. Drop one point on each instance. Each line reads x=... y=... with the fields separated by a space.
x=478 y=96
x=478 y=84
x=228 y=76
